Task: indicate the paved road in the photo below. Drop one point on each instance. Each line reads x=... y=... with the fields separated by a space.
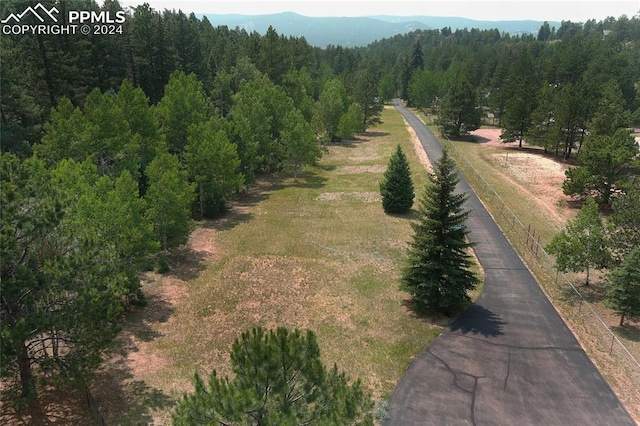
x=509 y=359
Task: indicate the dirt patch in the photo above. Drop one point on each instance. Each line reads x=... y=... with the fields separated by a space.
x=533 y=172
x=367 y=197
x=417 y=146
x=491 y=137
x=203 y=240
x=352 y=170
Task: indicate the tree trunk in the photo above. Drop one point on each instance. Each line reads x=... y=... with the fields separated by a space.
x=26 y=375
x=587 y=281
x=201 y=201
x=47 y=70
x=621 y=320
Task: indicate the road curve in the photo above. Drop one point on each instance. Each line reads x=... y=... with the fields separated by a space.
x=509 y=359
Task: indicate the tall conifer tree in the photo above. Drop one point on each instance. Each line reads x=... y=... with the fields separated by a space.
x=437 y=272
x=623 y=287
x=397 y=187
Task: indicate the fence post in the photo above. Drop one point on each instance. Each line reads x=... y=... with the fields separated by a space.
x=613 y=338
x=533 y=240
x=527 y=242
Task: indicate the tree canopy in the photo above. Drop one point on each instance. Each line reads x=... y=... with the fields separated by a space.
x=279 y=379
x=605 y=165
x=111 y=146
x=582 y=245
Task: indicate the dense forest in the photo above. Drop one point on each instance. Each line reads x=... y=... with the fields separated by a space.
x=113 y=144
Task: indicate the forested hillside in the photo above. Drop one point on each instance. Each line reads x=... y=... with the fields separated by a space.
x=113 y=144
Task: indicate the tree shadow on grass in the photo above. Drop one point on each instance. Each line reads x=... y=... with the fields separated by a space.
x=123 y=399
x=411 y=215
x=120 y=398
x=630 y=330
x=186 y=263
x=311 y=180
x=351 y=143
x=374 y=134
x=428 y=315
x=57 y=405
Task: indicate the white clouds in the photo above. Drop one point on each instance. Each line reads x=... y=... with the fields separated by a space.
x=495 y=10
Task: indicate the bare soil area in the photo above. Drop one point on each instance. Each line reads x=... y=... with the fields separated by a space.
x=537 y=174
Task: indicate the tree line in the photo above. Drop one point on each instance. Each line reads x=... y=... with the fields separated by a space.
x=113 y=145
x=552 y=89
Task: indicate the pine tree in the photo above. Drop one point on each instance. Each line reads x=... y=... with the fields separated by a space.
x=605 y=165
x=397 y=187
x=279 y=379
x=623 y=287
x=437 y=272
x=458 y=113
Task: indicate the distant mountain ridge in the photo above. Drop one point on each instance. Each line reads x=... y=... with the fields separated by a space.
x=360 y=31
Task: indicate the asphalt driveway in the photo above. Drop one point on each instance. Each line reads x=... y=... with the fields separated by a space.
x=509 y=359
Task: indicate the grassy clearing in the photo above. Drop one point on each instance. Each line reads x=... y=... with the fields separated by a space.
x=319 y=253
x=547 y=219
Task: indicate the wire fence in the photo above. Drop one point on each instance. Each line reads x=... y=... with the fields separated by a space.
x=613 y=358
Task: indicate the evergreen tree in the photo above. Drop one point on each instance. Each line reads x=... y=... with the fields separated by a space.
x=169 y=199
x=623 y=287
x=625 y=221
x=582 y=244
x=437 y=272
x=397 y=187
x=605 y=164
x=330 y=108
x=184 y=103
x=417 y=57
x=365 y=93
x=351 y=122
x=62 y=290
x=520 y=92
x=610 y=114
x=459 y=113
x=279 y=380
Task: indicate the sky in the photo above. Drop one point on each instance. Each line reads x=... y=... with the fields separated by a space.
x=495 y=10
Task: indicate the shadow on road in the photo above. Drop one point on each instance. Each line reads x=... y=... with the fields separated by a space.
x=479 y=320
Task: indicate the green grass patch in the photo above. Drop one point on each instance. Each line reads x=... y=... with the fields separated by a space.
x=319 y=253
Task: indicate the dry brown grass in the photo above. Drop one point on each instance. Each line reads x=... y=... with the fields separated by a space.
x=318 y=254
